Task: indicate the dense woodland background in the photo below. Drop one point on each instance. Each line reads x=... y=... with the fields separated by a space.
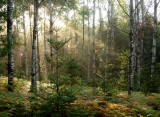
x=80 y=58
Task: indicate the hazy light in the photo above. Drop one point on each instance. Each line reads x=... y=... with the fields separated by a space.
x=59 y=23
x=21 y=54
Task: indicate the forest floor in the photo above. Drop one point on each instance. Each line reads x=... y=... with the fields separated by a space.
x=88 y=102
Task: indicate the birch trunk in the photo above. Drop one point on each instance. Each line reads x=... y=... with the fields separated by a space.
x=131 y=57
x=100 y=20
x=38 y=58
x=154 y=44
x=45 y=40
x=51 y=31
x=94 y=56
x=34 y=79
x=112 y=27
x=141 y=43
x=25 y=44
x=138 y=48
x=30 y=22
x=10 y=44
x=88 y=74
x=76 y=36
x=82 y=45
x=106 y=62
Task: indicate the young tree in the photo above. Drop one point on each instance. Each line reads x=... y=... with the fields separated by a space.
x=10 y=44
x=106 y=62
x=100 y=20
x=34 y=80
x=154 y=43
x=44 y=38
x=138 y=45
x=94 y=56
x=82 y=45
x=30 y=23
x=112 y=27
x=25 y=42
x=131 y=56
x=38 y=59
x=88 y=74
x=51 y=30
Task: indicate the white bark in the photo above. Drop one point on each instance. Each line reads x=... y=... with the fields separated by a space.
x=88 y=74
x=94 y=56
x=51 y=30
x=76 y=36
x=131 y=57
x=106 y=62
x=82 y=45
x=100 y=20
x=112 y=35
x=25 y=43
x=45 y=40
x=10 y=44
x=138 y=47
x=38 y=58
x=154 y=43
x=30 y=23
x=34 y=79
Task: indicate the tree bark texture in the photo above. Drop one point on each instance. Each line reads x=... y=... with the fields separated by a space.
x=10 y=44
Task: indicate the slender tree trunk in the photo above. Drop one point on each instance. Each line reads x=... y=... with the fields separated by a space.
x=131 y=57
x=25 y=44
x=34 y=79
x=10 y=44
x=88 y=74
x=45 y=40
x=100 y=20
x=51 y=31
x=76 y=36
x=82 y=46
x=94 y=56
x=30 y=22
x=141 y=43
x=138 y=48
x=135 y=36
x=106 y=64
x=154 y=44
x=38 y=59
x=112 y=27
x=16 y=21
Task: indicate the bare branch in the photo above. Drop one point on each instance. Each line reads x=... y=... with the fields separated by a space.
x=118 y=28
x=123 y=8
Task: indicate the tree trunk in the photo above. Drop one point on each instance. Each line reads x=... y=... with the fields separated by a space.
x=88 y=74
x=82 y=46
x=141 y=43
x=94 y=56
x=38 y=59
x=138 y=47
x=106 y=63
x=100 y=20
x=10 y=44
x=25 y=44
x=131 y=56
x=30 y=22
x=34 y=80
x=51 y=31
x=154 y=44
x=112 y=27
x=45 y=40
x=76 y=37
